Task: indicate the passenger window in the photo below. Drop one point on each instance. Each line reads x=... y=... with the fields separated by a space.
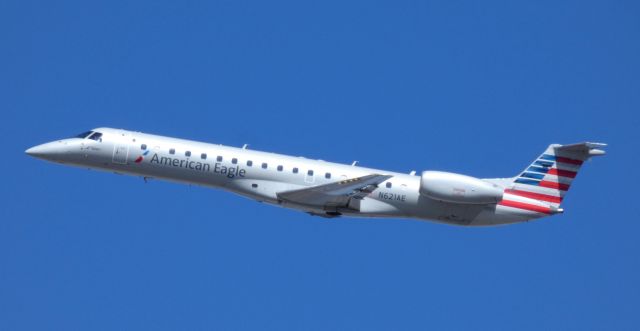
x=234 y=161
x=187 y=153
x=264 y=166
x=143 y=147
x=219 y=158
x=295 y=170
x=388 y=185
x=327 y=175
x=280 y=168
x=172 y=151
x=249 y=163
x=310 y=173
x=203 y=156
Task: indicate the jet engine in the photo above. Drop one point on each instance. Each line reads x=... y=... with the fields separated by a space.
x=456 y=188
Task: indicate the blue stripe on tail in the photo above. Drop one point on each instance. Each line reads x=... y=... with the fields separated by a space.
x=538 y=169
x=545 y=164
x=528 y=181
x=532 y=175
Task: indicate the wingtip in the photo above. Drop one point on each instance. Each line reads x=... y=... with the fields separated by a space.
x=595 y=148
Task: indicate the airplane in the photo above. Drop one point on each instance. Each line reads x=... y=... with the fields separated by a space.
x=329 y=189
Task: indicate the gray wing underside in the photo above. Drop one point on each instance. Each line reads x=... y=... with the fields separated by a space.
x=336 y=194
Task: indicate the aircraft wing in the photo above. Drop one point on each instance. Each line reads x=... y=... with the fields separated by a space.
x=336 y=194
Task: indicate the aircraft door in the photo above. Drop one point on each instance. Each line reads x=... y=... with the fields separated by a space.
x=121 y=150
x=120 y=154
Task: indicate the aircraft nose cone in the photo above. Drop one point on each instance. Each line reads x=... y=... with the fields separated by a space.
x=37 y=151
x=48 y=151
x=34 y=151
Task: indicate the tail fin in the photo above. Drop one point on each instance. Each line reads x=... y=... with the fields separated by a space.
x=549 y=177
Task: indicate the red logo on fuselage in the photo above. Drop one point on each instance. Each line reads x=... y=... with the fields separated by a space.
x=141 y=157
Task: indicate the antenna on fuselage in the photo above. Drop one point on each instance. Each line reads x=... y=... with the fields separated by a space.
x=245 y=146
x=354 y=163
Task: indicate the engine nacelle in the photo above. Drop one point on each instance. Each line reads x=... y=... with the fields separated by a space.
x=450 y=187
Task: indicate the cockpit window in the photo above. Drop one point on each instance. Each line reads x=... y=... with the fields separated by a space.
x=84 y=134
x=97 y=136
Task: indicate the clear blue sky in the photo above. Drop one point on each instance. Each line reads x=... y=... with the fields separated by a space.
x=479 y=88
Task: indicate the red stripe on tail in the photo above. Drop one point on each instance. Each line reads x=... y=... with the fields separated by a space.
x=525 y=206
x=568 y=160
x=563 y=173
x=557 y=186
x=532 y=195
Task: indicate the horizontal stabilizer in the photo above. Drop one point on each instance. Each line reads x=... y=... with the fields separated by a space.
x=582 y=149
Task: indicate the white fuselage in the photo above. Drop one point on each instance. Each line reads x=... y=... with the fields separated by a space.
x=260 y=175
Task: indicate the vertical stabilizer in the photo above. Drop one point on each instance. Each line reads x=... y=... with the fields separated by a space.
x=550 y=176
